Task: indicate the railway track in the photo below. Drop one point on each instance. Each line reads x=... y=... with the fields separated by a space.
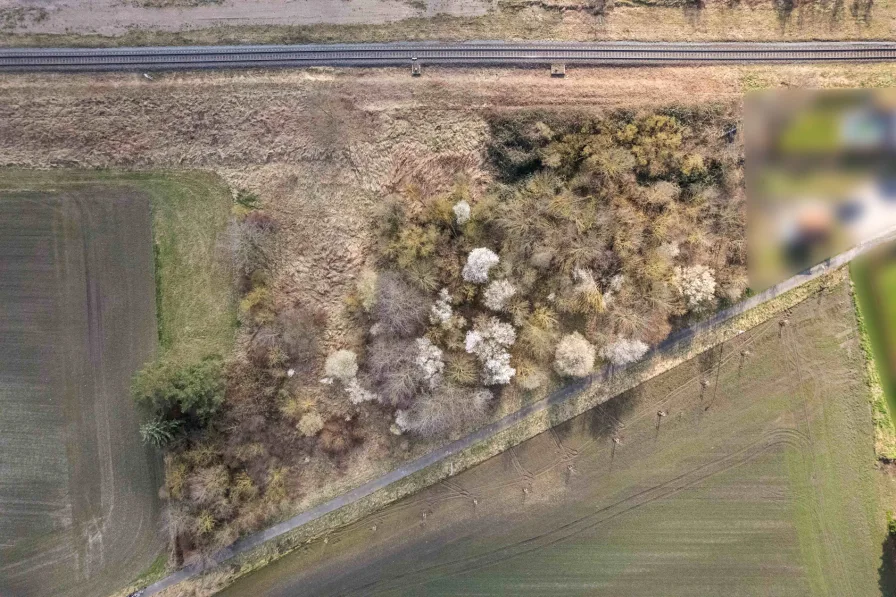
x=436 y=53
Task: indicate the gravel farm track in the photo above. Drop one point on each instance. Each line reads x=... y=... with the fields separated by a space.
x=485 y=53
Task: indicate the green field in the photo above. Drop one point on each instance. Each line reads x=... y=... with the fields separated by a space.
x=874 y=279
x=80 y=315
x=190 y=211
x=759 y=480
x=78 y=490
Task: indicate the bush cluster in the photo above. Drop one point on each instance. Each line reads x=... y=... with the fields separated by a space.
x=602 y=235
x=234 y=430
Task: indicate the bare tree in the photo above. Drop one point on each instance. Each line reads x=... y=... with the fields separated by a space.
x=446 y=409
x=393 y=369
x=400 y=308
x=249 y=241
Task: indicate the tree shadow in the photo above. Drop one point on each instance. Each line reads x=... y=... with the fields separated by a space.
x=887 y=570
x=605 y=420
x=602 y=421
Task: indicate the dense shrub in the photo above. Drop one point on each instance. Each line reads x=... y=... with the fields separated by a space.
x=338 y=436
x=310 y=424
x=593 y=244
x=400 y=308
x=158 y=432
x=574 y=356
x=187 y=395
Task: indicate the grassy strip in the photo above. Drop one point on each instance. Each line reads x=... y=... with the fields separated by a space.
x=500 y=442
x=195 y=301
x=156 y=571
x=876 y=378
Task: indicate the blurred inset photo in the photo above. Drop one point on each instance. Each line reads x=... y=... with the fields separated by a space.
x=821 y=176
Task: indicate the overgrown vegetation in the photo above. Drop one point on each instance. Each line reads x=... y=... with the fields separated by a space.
x=601 y=235
x=597 y=237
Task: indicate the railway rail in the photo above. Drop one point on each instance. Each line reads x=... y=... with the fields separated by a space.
x=436 y=53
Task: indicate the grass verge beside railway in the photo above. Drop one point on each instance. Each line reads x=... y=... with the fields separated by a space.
x=195 y=304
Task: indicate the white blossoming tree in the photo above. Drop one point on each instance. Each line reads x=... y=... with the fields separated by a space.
x=342 y=365
x=461 y=212
x=574 y=356
x=624 y=351
x=697 y=284
x=479 y=262
x=497 y=294
x=440 y=313
x=430 y=361
x=358 y=393
x=489 y=341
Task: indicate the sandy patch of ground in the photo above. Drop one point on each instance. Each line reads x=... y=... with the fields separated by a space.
x=114 y=17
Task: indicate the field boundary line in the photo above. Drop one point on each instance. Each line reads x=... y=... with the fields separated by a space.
x=258 y=549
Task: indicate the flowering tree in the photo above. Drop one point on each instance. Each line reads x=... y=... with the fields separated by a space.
x=497 y=294
x=488 y=341
x=429 y=359
x=697 y=284
x=479 y=262
x=461 y=212
x=574 y=356
x=440 y=313
x=624 y=351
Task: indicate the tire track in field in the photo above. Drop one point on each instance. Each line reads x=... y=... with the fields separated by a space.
x=779 y=437
x=796 y=359
x=570 y=455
